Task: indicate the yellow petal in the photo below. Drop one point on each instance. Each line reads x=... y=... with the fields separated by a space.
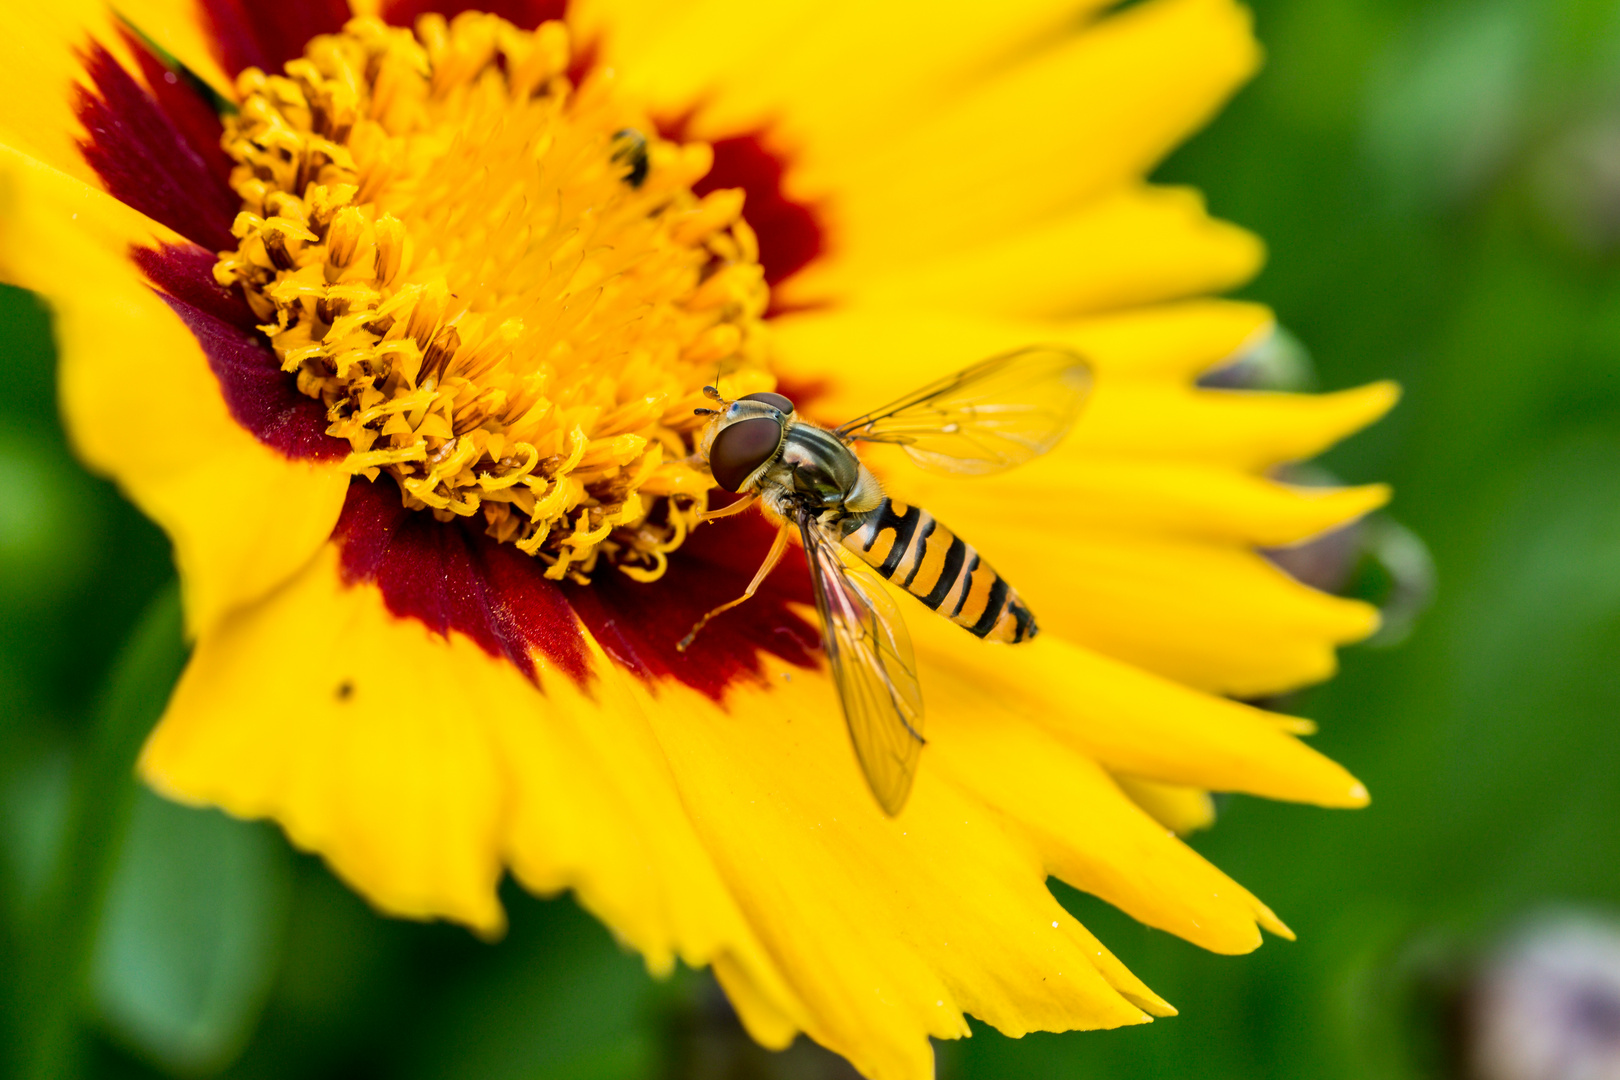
x=1088 y=832
x=178 y=27
x=1151 y=562
x=142 y=405
x=1070 y=492
x=286 y=710
x=1138 y=723
x=41 y=46
x=1220 y=618
x=1140 y=245
x=768 y=1025
x=420 y=767
x=1237 y=428
x=742 y=836
x=832 y=76
x=886 y=929
x=593 y=806
x=1076 y=121
x=1173 y=342
x=1182 y=810
x=673 y=56
x=38 y=72
x=863 y=357
x=1141 y=411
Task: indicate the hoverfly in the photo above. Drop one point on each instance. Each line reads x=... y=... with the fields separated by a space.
x=992 y=416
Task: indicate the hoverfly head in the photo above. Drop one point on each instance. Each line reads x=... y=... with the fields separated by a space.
x=746 y=437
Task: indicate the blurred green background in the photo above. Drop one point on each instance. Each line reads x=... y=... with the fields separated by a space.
x=1440 y=187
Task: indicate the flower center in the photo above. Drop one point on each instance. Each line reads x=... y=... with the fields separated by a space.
x=500 y=285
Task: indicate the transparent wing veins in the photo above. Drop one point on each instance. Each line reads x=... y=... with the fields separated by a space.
x=872 y=665
x=999 y=413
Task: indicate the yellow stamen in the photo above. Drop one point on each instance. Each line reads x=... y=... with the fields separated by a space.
x=500 y=285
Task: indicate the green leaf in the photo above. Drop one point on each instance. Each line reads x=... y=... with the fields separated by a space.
x=54 y=955
x=190 y=935
x=557 y=1000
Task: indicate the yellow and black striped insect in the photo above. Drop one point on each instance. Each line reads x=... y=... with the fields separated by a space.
x=994 y=415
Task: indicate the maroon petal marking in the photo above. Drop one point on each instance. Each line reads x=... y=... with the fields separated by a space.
x=790 y=233
x=267 y=33
x=638 y=624
x=448 y=576
x=524 y=14
x=260 y=396
x=451 y=576
x=186 y=274
x=146 y=160
x=192 y=114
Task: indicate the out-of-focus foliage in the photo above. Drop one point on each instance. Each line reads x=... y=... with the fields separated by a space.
x=189 y=938
x=1440 y=186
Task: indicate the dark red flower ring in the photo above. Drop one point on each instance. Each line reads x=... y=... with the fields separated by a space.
x=157 y=148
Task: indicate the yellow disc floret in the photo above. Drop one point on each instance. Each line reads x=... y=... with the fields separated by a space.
x=500 y=285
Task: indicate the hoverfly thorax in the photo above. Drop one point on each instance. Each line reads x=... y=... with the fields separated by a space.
x=822 y=474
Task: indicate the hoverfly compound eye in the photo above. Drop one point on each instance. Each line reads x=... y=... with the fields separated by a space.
x=775 y=401
x=741 y=448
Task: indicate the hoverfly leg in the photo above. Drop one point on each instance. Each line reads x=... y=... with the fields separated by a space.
x=735 y=507
x=778 y=549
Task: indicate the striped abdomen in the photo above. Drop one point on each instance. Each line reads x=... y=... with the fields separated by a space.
x=906 y=545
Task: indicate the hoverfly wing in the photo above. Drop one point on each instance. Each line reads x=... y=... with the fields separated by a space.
x=999 y=413
x=872 y=666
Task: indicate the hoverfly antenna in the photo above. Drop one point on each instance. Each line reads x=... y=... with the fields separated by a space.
x=712 y=393
x=705 y=412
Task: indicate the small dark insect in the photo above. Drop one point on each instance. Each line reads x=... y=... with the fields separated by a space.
x=630 y=148
x=994 y=415
x=345 y=690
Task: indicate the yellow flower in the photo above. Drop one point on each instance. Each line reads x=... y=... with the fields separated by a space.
x=403 y=357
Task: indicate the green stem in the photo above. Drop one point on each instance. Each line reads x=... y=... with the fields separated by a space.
x=56 y=962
